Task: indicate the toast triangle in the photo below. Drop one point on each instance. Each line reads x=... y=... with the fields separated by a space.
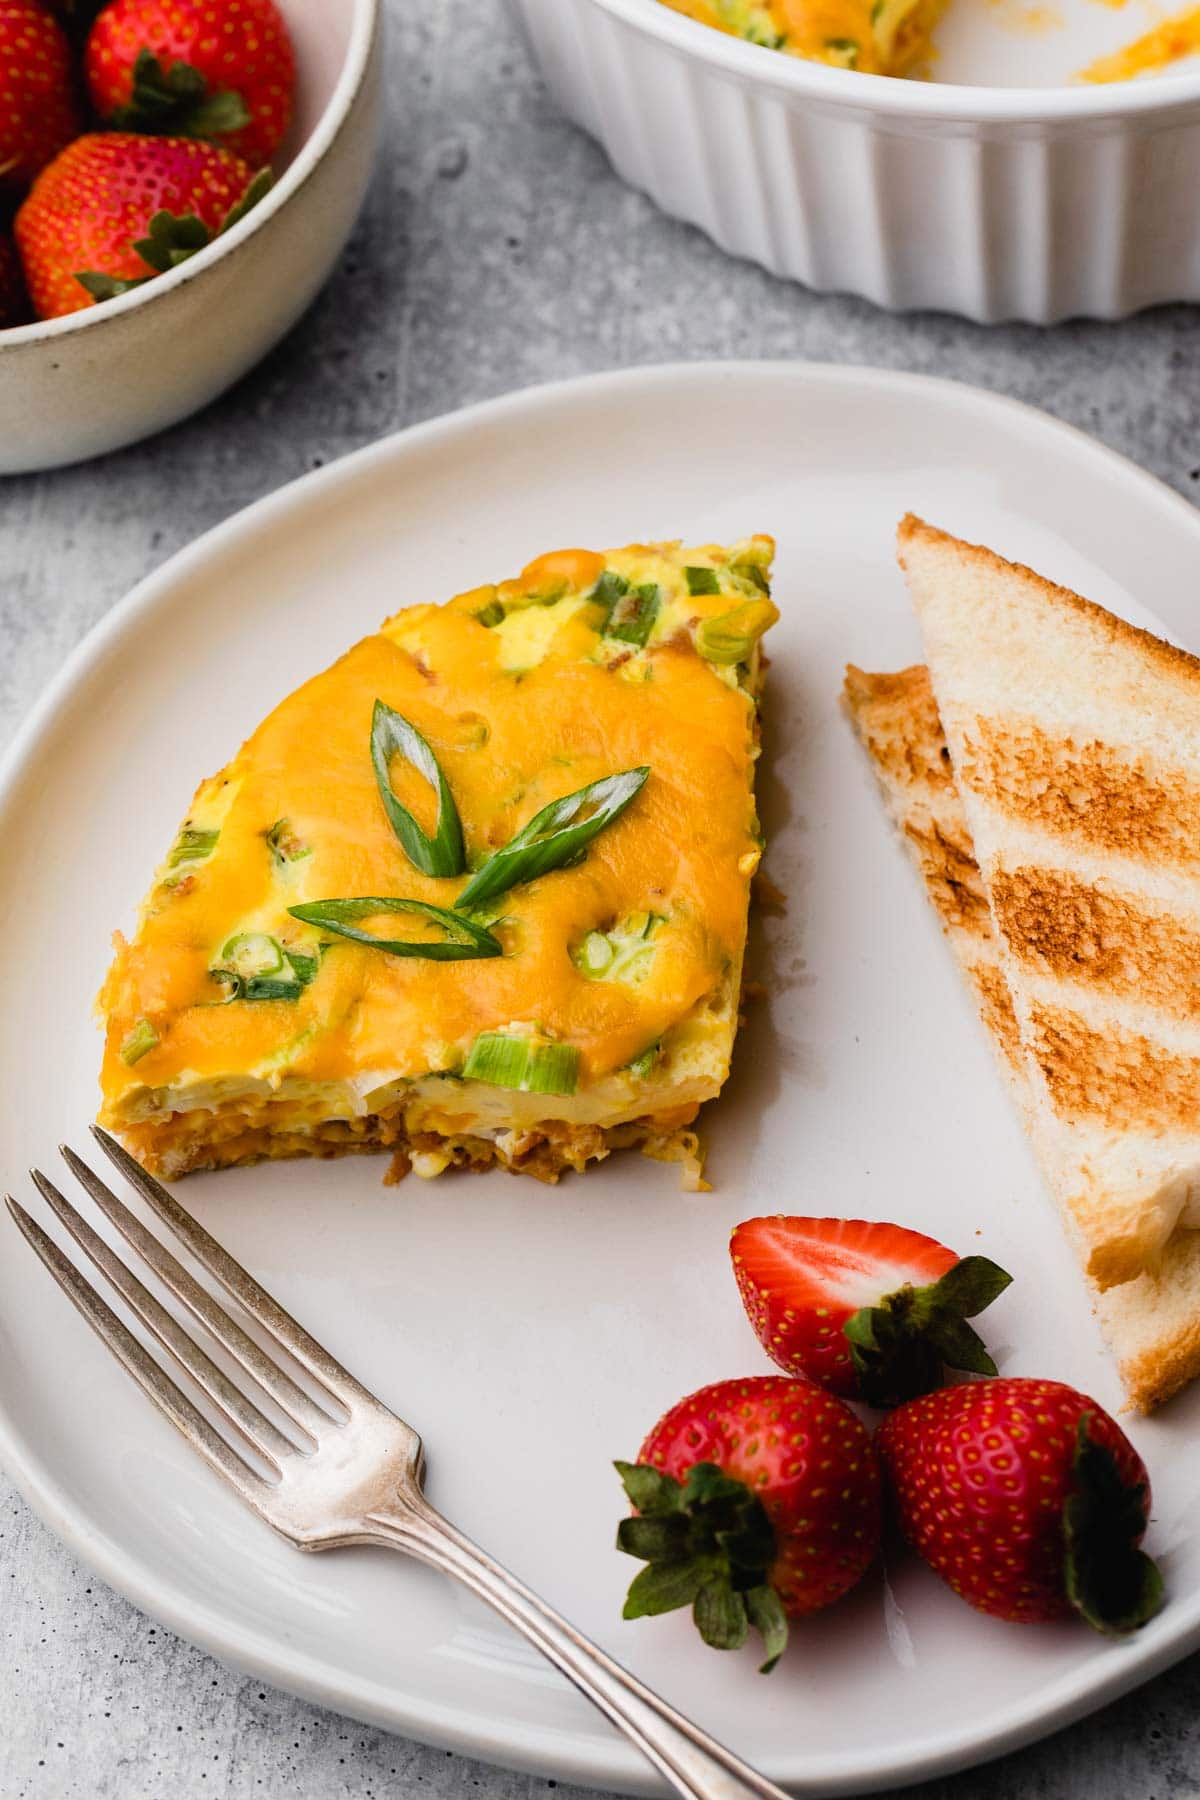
x=1152 y=1324
x=1075 y=743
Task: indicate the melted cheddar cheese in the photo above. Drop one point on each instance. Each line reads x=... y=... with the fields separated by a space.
x=525 y=692
x=876 y=37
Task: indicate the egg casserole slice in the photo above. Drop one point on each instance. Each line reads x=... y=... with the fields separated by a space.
x=476 y=894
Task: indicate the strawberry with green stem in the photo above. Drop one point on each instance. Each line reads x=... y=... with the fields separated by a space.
x=872 y=1311
x=223 y=70
x=756 y=1501
x=1028 y=1499
x=115 y=210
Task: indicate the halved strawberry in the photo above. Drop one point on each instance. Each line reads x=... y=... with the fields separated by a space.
x=872 y=1311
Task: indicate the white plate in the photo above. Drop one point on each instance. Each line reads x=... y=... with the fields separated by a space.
x=532 y=1334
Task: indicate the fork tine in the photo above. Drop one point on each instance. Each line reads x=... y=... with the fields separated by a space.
x=292 y=1399
x=237 y=1412
x=236 y=1280
x=157 y=1385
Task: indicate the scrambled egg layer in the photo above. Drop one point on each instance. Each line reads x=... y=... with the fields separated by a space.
x=877 y=37
x=525 y=694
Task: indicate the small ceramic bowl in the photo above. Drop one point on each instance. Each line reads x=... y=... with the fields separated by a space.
x=75 y=387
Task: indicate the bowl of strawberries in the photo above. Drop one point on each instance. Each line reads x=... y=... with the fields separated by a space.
x=177 y=180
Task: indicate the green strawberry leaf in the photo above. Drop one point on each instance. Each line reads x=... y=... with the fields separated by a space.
x=172 y=238
x=720 y=1614
x=903 y=1346
x=649 y=1489
x=262 y=184
x=108 y=287
x=707 y=1543
x=178 y=101
x=662 y=1588
x=765 y=1612
x=1110 y=1580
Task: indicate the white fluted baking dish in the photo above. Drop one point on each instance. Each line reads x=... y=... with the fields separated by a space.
x=998 y=202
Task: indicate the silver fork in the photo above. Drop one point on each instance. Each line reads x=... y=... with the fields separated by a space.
x=354 y=1475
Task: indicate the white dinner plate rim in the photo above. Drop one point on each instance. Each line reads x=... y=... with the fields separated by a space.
x=529 y=1747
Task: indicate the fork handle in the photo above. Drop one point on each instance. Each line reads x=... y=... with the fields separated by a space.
x=696 y=1765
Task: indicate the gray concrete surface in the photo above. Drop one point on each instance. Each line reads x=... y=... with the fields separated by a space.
x=497 y=249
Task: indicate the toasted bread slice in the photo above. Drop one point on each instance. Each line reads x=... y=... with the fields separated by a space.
x=1152 y=1324
x=1075 y=742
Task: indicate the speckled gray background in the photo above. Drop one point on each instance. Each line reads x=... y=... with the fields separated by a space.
x=496 y=250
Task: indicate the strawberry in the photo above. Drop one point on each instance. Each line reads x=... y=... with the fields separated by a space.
x=756 y=1500
x=220 y=69
x=14 y=303
x=1028 y=1499
x=875 y=1312
x=114 y=210
x=38 y=114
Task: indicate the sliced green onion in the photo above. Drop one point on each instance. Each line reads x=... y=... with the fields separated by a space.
x=556 y=836
x=465 y=940
x=251 y=953
x=844 y=49
x=192 y=846
x=622 y=954
x=644 y=1064
x=139 y=1042
x=529 y=1064
x=284 y=845
x=702 y=580
x=632 y=618
x=731 y=637
x=304 y=968
x=491 y=614
x=609 y=589
x=595 y=953
x=257 y=967
x=441 y=854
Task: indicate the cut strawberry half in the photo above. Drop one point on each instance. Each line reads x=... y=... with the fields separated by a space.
x=871 y=1311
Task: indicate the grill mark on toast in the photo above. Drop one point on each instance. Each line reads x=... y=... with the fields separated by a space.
x=897 y=718
x=1087 y=792
x=1117 y=1077
x=994 y=999
x=1070 y=929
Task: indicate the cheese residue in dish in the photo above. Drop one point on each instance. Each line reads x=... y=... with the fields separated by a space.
x=1166 y=43
x=876 y=37
x=894 y=37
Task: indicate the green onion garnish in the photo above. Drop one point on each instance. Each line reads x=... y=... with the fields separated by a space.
x=192 y=846
x=255 y=966
x=251 y=953
x=556 y=836
x=644 y=1064
x=632 y=618
x=139 y=1042
x=609 y=589
x=491 y=614
x=441 y=854
x=731 y=637
x=623 y=954
x=702 y=581
x=530 y=1064
x=845 y=49
x=464 y=941
x=284 y=845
